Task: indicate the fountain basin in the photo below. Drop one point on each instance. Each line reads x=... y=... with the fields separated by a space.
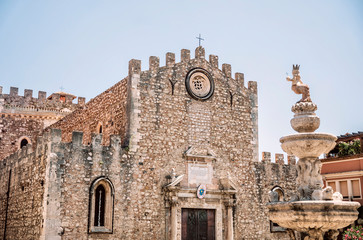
x=308 y=145
x=305 y=123
x=305 y=215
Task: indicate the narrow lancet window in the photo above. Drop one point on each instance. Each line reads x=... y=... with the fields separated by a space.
x=100 y=206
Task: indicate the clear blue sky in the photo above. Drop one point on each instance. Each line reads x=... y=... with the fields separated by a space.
x=85 y=47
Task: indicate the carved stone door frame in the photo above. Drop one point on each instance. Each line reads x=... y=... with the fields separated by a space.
x=219 y=200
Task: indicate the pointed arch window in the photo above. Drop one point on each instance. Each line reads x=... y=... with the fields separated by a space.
x=100 y=203
x=274 y=227
x=99 y=128
x=280 y=193
x=101 y=206
x=23 y=141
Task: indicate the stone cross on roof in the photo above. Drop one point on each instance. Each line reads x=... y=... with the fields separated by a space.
x=200 y=39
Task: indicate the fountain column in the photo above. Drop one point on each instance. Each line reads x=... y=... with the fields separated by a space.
x=313 y=210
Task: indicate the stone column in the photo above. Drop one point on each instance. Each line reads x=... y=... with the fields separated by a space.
x=229 y=205
x=174 y=218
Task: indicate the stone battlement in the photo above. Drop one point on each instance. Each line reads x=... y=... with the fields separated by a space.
x=54 y=136
x=279 y=158
x=226 y=70
x=54 y=102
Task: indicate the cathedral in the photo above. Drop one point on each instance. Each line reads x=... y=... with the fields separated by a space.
x=168 y=153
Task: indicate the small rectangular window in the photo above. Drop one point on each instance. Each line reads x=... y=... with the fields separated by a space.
x=344 y=189
x=356 y=189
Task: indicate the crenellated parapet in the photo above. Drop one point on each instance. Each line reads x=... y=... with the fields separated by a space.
x=114 y=146
x=39 y=177
x=279 y=158
x=60 y=103
x=52 y=142
x=277 y=175
x=185 y=58
x=191 y=86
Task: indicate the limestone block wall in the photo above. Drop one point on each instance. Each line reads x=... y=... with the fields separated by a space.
x=170 y=122
x=49 y=195
x=269 y=175
x=156 y=123
x=165 y=109
x=13 y=129
x=108 y=110
x=21 y=193
x=72 y=169
x=28 y=102
x=26 y=116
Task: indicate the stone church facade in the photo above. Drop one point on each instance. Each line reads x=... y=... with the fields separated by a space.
x=166 y=153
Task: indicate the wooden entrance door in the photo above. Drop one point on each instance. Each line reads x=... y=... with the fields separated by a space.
x=198 y=224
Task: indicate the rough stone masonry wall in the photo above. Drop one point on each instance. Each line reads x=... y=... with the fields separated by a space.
x=269 y=175
x=169 y=123
x=164 y=123
x=74 y=167
x=41 y=102
x=107 y=109
x=50 y=188
x=13 y=128
x=21 y=210
x=26 y=116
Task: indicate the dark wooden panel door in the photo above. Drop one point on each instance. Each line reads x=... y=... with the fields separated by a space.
x=198 y=224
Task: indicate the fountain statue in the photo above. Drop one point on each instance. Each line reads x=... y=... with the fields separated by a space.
x=314 y=210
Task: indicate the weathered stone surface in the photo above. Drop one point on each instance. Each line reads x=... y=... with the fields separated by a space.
x=27 y=116
x=305 y=119
x=320 y=215
x=306 y=215
x=107 y=109
x=158 y=127
x=308 y=145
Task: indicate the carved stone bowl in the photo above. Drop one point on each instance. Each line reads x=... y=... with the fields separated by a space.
x=305 y=119
x=305 y=123
x=303 y=216
x=308 y=145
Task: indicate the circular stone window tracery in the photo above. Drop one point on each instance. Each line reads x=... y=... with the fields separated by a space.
x=199 y=84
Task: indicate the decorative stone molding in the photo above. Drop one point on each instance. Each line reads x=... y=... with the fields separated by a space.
x=199 y=84
x=200 y=152
x=108 y=211
x=304 y=107
x=177 y=198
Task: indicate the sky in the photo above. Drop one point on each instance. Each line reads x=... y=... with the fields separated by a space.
x=84 y=47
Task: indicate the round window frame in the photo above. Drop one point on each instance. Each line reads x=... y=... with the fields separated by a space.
x=190 y=91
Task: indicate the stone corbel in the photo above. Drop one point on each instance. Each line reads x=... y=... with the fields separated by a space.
x=175 y=181
x=228 y=184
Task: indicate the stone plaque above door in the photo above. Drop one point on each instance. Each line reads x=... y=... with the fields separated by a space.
x=199 y=167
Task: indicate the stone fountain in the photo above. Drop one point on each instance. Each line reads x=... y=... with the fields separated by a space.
x=314 y=211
